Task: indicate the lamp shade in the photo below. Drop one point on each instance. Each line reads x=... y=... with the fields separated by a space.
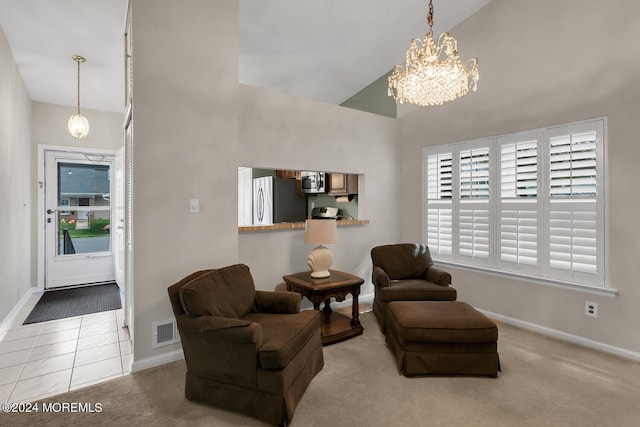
x=320 y=231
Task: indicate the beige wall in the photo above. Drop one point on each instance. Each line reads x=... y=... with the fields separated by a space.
x=194 y=124
x=16 y=185
x=185 y=134
x=49 y=127
x=281 y=131
x=544 y=63
x=24 y=126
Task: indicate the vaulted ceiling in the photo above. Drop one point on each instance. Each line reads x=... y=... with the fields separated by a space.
x=321 y=49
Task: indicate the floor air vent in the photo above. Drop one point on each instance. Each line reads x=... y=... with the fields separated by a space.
x=165 y=332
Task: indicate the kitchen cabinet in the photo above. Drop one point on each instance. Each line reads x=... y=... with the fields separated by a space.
x=342 y=184
x=287 y=174
x=291 y=174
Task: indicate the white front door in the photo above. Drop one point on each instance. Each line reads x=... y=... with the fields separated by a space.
x=78 y=232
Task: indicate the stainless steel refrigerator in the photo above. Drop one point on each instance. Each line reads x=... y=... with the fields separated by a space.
x=276 y=200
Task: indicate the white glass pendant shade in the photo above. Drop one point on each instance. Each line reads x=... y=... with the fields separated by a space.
x=78 y=126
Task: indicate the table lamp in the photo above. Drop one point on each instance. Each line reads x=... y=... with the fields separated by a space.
x=320 y=231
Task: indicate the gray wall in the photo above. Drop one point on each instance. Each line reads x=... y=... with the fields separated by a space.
x=194 y=124
x=544 y=63
x=374 y=98
x=16 y=185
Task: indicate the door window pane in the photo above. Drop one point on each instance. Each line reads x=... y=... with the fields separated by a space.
x=84 y=208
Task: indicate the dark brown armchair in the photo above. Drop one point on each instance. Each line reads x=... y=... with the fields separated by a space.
x=405 y=272
x=246 y=350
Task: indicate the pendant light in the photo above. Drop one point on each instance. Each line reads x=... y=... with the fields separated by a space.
x=78 y=124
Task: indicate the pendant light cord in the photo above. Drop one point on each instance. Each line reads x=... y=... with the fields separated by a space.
x=78 y=61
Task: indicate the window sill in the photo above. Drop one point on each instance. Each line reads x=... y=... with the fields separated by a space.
x=590 y=289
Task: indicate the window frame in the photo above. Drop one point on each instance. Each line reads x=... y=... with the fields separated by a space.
x=535 y=210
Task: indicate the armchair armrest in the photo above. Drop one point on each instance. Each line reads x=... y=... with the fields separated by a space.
x=379 y=278
x=282 y=302
x=225 y=349
x=439 y=277
x=222 y=328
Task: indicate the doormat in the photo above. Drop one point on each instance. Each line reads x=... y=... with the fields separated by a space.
x=59 y=304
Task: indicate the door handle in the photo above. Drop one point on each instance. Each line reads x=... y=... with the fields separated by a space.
x=49 y=211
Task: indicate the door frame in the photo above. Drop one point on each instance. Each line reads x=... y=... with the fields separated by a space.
x=41 y=203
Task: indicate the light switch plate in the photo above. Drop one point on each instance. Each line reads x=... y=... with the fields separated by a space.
x=194 y=205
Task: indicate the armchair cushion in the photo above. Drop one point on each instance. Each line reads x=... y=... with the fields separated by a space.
x=225 y=292
x=417 y=290
x=284 y=336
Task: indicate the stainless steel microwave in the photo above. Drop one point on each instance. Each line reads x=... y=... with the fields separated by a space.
x=313 y=182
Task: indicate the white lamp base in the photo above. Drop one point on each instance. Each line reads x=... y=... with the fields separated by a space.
x=319 y=261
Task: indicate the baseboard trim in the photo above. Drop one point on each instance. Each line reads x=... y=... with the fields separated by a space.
x=575 y=339
x=172 y=356
x=153 y=361
x=10 y=317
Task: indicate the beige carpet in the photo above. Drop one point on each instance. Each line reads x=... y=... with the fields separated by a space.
x=544 y=382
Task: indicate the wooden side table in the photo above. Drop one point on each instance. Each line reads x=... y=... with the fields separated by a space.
x=335 y=326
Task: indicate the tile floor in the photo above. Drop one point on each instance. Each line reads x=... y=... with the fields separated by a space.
x=44 y=359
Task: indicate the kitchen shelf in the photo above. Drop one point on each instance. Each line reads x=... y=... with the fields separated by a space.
x=298 y=225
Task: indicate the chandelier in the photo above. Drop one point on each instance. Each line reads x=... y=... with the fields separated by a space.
x=433 y=73
x=78 y=124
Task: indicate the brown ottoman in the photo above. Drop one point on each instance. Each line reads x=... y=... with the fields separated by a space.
x=442 y=338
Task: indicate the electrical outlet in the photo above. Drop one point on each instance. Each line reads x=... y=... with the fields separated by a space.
x=590 y=309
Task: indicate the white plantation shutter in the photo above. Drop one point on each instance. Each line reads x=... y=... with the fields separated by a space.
x=474 y=226
x=528 y=203
x=129 y=187
x=573 y=165
x=518 y=168
x=573 y=238
x=474 y=232
x=440 y=176
x=440 y=231
x=474 y=173
x=439 y=182
x=519 y=238
x=518 y=207
x=576 y=207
